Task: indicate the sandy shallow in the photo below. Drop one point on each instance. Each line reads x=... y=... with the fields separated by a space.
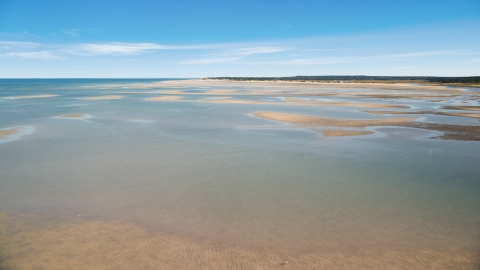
x=301 y=101
x=465 y=108
x=451 y=132
x=469 y=115
x=72 y=115
x=113 y=245
x=102 y=97
x=8 y=132
x=164 y=98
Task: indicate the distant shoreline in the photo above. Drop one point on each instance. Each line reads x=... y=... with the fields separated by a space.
x=423 y=80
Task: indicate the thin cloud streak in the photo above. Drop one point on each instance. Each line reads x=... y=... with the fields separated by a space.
x=40 y=55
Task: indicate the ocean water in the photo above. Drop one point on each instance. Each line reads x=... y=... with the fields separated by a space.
x=214 y=173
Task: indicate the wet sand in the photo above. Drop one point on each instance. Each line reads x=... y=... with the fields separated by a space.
x=164 y=98
x=102 y=97
x=465 y=108
x=469 y=115
x=451 y=132
x=111 y=245
x=72 y=115
x=237 y=101
x=344 y=104
x=8 y=132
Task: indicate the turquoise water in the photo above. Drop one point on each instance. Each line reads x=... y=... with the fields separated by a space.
x=213 y=171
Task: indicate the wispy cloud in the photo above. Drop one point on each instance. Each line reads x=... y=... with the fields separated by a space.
x=233 y=55
x=306 y=61
x=17 y=44
x=415 y=54
x=114 y=48
x=403 y=67
x=40 y=55
x=76 y=32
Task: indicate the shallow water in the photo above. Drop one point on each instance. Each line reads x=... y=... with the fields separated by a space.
x=213 y=173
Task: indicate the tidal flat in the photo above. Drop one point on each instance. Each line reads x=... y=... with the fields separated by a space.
x=209 y=174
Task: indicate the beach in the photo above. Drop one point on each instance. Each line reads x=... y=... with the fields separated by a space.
x=209 y=174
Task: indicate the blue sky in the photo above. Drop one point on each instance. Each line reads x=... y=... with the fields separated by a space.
x=243 y=38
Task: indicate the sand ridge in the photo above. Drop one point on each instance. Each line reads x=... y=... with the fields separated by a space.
x=102 y=97
x=164 y=98
x=459 y=114
x=451 y=132
x=72 y=115
x=8 y=132
x=302 y=101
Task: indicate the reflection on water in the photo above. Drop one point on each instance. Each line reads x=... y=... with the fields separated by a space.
x=203 y=185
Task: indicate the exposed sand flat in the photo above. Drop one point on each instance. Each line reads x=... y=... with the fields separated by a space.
x=8 y=132
x=294 y=85
x=102 y=97
x=344 y=104
x=72 y=115
x=339 y=133
x=470 y=115
x=172 y=92
x=237 y=101
x=452 y=132
x=315 y=121
x=221 y=92
x=164 y=98
x=111 y=245
x=35 y=96
x=465 y=108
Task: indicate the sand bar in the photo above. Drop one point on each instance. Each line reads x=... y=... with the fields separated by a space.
x=102 y=97
x=221 y=92
x=302 y=101
x=72 y=115
x=237 y=101
x=315 y=121
x=164 y=98
x=35 y=96
x=8 y=132
x=459 y=114
x=451 y=132
x=340 y=133
x=465 y=108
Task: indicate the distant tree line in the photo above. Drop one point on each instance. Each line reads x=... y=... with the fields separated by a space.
x=352 y=78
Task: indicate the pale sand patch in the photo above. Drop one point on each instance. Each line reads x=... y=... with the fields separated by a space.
x=174 y=92
x=470 y=115
x=35 y=96
x=466 y=108
x=164 y=98
x=8 y=132
x=236 y=101
x=338 y=133
x=221 y=92
x=102 y=97
x=451 y=132
x=343 y=104
x=114 y=245
x=315 y=121
x=72 y=115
